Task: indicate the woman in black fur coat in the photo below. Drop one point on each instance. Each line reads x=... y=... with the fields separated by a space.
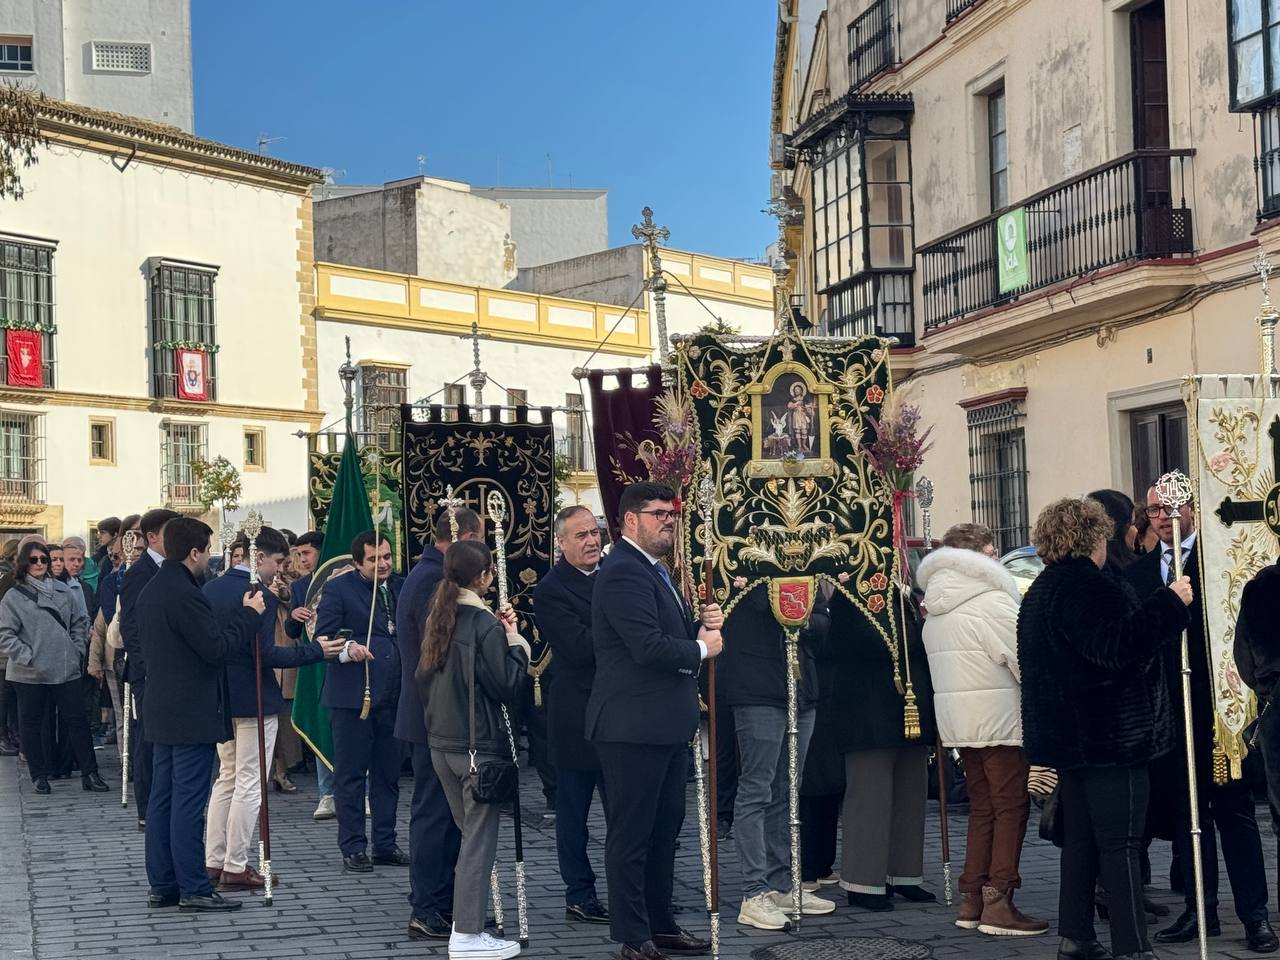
x=1092 y=710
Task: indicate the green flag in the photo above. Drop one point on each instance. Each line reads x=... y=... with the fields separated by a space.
x=348 y=515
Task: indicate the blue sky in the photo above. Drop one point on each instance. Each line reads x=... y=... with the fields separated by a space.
x=662 y=104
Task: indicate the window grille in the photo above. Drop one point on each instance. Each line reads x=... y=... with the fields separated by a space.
x=22 y=457
x=382 y=390
x=182 y=446
x=26 y=297
x=998 y=471
x=871 y=42
x=182 y=316
x=574 y=446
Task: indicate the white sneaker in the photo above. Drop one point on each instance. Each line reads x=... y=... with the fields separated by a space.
x=324 y=809
x=762 y=913
x=811 y=905
x=480 y=946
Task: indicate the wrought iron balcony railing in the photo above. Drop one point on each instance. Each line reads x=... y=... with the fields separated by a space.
x=876 y=303
x=957 y=7
x=1133 y=208
x=871 y=47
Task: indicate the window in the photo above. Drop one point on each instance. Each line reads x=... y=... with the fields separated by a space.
x=255 y=440
x=182 y=445
x=998 y=468
x=888 y=204
x=837 y=199
x=517 y=398
x=102 y=441
x=1158 y=444
x=1254 y=35
x=15 y=54
x=21 y=457
x=26 y=300
x=455 y=395
x=575 y=432
x=998 y=149
x=1267 y=161
x=871 y=42
x=121 y=57
x=182 y=325
x=382 y=389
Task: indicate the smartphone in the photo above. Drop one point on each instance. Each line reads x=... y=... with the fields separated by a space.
x=343 y=635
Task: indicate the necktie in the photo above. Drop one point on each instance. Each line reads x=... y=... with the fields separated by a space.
x=1168 y=559
x=385 y=596
x=666 y=578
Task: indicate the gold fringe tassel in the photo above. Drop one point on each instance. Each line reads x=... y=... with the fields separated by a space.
x=911 y=715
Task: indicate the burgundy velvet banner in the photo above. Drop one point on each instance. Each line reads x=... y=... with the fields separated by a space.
x=621 y=419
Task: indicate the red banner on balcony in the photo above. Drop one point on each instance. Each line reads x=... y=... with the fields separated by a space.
x=193 y=380
x=24 y=350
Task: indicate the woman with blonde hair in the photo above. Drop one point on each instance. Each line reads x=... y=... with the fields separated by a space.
x=472 y=664
x=1093 y=711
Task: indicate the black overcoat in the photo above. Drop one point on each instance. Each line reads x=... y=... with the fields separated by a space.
x=562 y=602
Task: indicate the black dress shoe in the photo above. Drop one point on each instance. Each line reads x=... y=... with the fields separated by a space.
x=877 y=902
x=641 y=951
x=213 y=903
x=94 y=782
x=158 y=900
x=914 y=893
x=395 y=857
x=1141 y=955
x=1260 y=937
x=1185 y=929
x=724 y=830
x=1070 y=949
x=681 y=942
x=357 y=863
x=589 y=911
x=430 y=927
x=42 y=785
x=142 y=825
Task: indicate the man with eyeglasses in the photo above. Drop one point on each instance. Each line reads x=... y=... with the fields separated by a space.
x=641 y=714
x=1229 y=807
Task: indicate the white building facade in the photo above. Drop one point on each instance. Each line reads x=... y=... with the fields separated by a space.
x=136 y=255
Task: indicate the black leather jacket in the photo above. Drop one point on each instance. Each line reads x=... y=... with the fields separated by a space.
x=499 y=669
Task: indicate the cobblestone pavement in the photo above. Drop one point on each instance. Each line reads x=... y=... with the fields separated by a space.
x=73 y=886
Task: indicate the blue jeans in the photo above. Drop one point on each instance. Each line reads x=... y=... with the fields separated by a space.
x=324 y=778
x=180 y=784
x=760 y=816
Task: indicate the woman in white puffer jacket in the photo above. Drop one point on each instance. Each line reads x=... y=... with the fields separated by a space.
x=970 y=635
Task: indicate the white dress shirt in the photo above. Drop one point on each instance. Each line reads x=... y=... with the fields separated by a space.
x=1166 y=556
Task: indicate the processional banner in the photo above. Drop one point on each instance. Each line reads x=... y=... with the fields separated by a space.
x=1236 y=455
x=322 y=472
x=794 y=499
x=474 y=457
x=621 y=422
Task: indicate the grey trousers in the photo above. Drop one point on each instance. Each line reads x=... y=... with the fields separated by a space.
x=478 y=823
x=884 y=810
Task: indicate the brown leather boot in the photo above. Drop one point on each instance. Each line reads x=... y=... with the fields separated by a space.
x=970 y=913
x=1000 y=918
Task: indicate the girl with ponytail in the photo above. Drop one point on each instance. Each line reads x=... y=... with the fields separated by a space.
x=472 y=663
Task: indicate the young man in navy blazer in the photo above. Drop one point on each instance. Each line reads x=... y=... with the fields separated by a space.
x=434 y=839
x=641 y=715
x=365 y=750
x=237 y=793
x=562 y=602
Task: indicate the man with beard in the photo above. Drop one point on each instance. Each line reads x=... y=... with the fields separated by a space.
x=641 y=714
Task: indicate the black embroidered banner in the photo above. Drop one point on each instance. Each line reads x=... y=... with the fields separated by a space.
x=475 y=457
x=322 y=471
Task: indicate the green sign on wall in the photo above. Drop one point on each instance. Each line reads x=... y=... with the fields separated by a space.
x=1011 y=249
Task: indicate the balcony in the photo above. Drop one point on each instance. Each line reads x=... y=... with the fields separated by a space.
x=876 y=303
x=957 y=7
x=1131 y=209
x=871 y=47
x=577 y=453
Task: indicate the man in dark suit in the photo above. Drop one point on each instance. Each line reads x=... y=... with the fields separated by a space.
x=641 y=715
x=237 y=792
x=1229 y=807
x=365 y=750
x=433 y=836
x=186 y=711
x=306 y=555
x=562 y=602
x=136 y=577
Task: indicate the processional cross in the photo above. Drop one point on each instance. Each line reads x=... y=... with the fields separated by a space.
x=650 y=234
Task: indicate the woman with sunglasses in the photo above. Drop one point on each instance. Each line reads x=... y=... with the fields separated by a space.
x=44 y=633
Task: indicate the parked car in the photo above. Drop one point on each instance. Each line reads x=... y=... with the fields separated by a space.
x=1024 y=565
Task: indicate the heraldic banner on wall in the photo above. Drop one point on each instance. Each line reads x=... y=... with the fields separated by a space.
x=322 y=473
x=472 y=458
x=784 y=424
x=1236 y=453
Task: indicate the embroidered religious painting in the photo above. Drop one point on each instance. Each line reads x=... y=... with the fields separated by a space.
x=783 y=424
x=1236 y=474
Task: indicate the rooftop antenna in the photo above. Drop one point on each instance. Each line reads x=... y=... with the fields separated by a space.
x=265 y=141
x=549 y=183
x=330 y=178
x=422 y=164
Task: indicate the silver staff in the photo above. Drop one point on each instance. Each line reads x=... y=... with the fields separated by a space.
x=496 y=507
x=1174 y=492
x=252 y=527
x=130 y=543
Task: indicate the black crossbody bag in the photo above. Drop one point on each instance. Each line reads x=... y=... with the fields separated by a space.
x=492 y=781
